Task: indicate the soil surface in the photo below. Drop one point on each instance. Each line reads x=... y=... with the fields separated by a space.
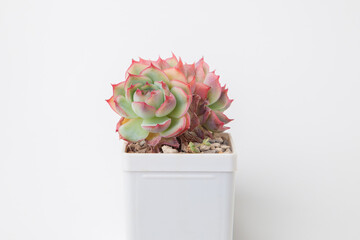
x=220 y=143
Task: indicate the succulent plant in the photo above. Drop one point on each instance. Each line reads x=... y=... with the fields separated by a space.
x=153 y=101
x=161 y=100
x=210 y=100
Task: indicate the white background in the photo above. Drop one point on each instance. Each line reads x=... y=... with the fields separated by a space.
x=293 y=68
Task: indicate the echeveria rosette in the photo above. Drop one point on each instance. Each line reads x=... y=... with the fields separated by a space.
x=212 y=99
x=153 y=101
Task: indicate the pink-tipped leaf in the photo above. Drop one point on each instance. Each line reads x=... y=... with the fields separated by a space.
x=155 y=99
x=176 y=127
x=167 y=106
x=143 y=110
x=132 y=130
x=156 y=125
x=155 y=74
x=222 y=117
x=182 y=85
x=183 y=101
x=130 y=91
x=123 y=107
x=139 y=96
x=119 y=89
x=222 y=102
x=175 y=74
x=134 y=79
x=201 y=70
x=135 y=68
x=172 y=61
x=214 y=124
x=162 y=64
x=111 y=103
x=202 y=90
x=212 y=80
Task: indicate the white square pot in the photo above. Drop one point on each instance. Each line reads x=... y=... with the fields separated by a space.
x=179 y=196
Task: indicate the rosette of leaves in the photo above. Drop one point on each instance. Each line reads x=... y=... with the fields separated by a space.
x=210 y=100
x=161 y=100
x=153 y=102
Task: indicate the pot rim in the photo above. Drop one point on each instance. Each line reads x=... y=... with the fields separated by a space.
x=178 y=162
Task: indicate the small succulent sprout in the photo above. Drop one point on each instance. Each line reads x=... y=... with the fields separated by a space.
x=193 y=148
x=206 y=142
x=153 y=101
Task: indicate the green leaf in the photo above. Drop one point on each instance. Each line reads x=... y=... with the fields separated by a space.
x=155 y=124
x=155 y=74
x=182 y=102
x=177 y=126
x=124 y=108
x=132 y=130
x=134 y=79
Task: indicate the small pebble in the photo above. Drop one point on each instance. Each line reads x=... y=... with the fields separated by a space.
x=219 y=140
x=225 y=147
x=204 y=148
x=142 y=150
x=216 y=140
x=167 y=149
x=218 y=150
x=142 y=143
x=214 y=145
x=228 y=150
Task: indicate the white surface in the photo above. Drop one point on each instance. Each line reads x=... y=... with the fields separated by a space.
x=163 y=202
x=292 y=66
